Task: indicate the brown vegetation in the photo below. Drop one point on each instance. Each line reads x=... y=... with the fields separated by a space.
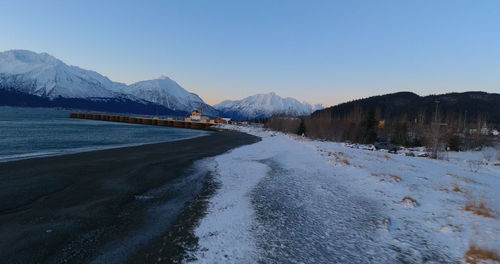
x=409 y=202
x=395 y=178
x=338 y=157
x=479 y=208
x=287 y=125
x=456 y=188
x=476 y=255
x=408 y=198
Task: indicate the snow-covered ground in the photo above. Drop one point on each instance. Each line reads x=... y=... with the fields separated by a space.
x=288 y=199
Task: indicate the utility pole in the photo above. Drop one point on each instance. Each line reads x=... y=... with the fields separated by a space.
x=436 y=114
x=465 y=123
x=435 y=133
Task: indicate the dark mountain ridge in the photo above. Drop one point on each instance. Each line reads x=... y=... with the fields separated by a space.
x=464 y=107
x=113 y=105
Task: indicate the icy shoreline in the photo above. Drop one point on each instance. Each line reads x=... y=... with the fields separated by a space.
x=299 y=200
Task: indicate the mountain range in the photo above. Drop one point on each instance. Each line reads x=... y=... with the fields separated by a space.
x=39 y=79
x=265 y=105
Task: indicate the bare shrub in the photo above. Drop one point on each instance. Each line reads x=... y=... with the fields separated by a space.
x=474 y=165
x=283 y=124
x=328 y=129
x=490 y=153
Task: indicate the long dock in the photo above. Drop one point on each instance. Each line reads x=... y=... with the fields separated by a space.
x=154 y=121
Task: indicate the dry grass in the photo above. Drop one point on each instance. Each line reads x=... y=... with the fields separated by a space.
x=464 y=179
x=338 y=157
x=409 y=202
x=395 y=178
x=456 y=188
x=410 y=199
x=450 y=227
x=479 y=208
x=476 y=255
x=468 y=180
x=386 y=156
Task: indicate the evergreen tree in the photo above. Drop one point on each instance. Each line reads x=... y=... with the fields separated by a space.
x=400 y=134
x=302 y=128
x=454 y=143
x=369 y=128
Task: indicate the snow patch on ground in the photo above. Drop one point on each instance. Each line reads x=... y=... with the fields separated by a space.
x=225 y=233
x=295 y=200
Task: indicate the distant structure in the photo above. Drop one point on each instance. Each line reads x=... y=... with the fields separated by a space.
x=381 y=124
x=223 y=120
x=196 y=115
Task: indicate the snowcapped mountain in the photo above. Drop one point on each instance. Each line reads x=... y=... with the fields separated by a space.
x=166 y=92
x=40 y=74
x=43 y=75
x=24 y=72
x=265 y=105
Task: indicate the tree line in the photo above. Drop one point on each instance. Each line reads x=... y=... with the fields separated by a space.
x=405 y=119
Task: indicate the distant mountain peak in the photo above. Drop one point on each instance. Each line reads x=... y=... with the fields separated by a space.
x=44 y=75
x=164 y=77
x=264 y=105
x=30 y=56
x=167 y=92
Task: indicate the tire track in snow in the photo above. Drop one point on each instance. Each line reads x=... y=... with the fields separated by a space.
x=304 y=217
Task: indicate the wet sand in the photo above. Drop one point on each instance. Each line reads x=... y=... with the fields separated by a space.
x=108 y=206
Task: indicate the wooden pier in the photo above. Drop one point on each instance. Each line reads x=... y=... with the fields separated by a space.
x=155 y=121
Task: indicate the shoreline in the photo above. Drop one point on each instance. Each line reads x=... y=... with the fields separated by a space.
x=62 y=152
x=78 y=207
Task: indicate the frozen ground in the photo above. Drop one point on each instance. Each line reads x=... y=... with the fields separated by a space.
x=287 y=199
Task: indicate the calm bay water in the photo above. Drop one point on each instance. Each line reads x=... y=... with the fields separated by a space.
x=33 y=132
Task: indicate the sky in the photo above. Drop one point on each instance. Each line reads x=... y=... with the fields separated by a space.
x=324 y=52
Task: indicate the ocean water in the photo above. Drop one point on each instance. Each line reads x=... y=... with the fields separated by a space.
x=35 y=132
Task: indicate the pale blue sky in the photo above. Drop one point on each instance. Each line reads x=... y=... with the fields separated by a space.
x=319 y=51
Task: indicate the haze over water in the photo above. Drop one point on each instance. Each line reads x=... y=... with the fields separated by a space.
x=33 y=132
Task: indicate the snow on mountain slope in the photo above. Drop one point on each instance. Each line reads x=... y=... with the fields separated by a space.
x=265 y=105
x=43 y=75
x=166 y=92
